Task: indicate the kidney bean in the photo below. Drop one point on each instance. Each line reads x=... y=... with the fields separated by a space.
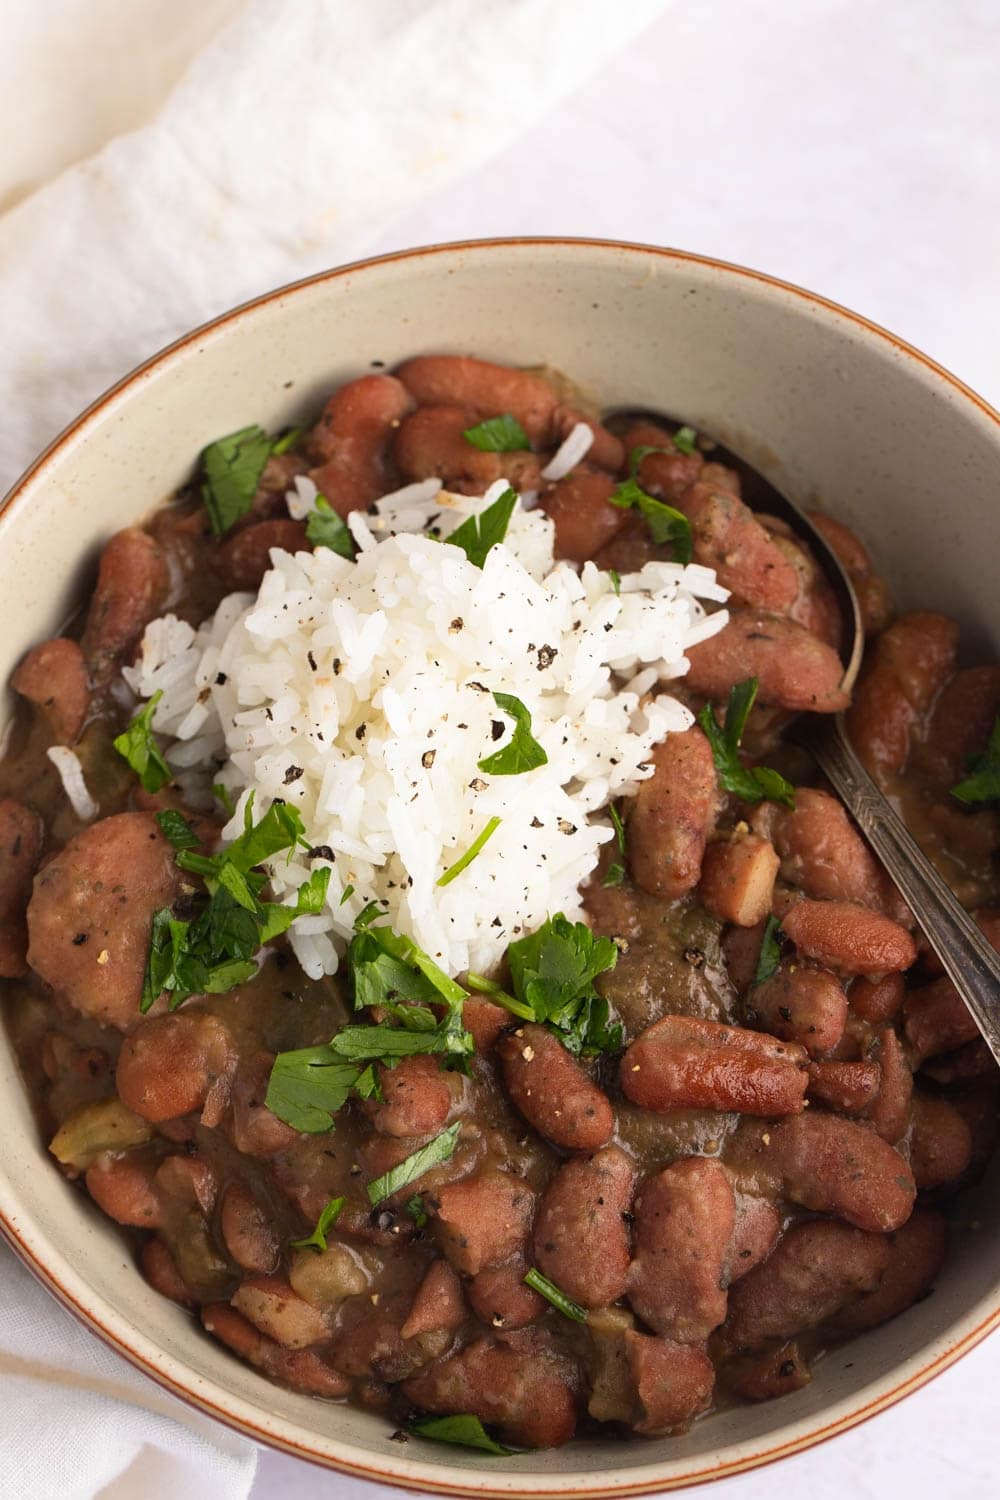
x=519 y=1382
x=606 y=451
x=802 y=1005
x=252 y=1127
x=816 y=1269
x=972 y=1061
x=667 y=475
x=910 y=663
x=940 y=1142
x=767 y=1373
x=848 y=1088
x=815 y=605
x=720 y=477
x=431 y=444
x=672 y=814
x=482 y=1221
x=836 y=1166
x=849 y=938
x=90 y=915
x=553 y=1092
x=823 y=854
x=169 y=1065
x=492 y=390
x=890 y=1111
x=936 y=1020
x=132 y=586
x=579 y=510
x=160 y=1270
x=755 y=1234
x=270 y=1304
x=977 y=1104
x=726 y=536
x=793 y=668
x=581 y=1239
x=122 y=1186
x=683 y=1063
x=247 y=1231
x=21 y=833
x=485 y=1021
x=53 y=676
x=629 y=549
x=673 y=1383
x=741 y=949
x=916 y=1254
x=684 y=1221
x=870 y=587
x=737 y=879
x=877 y=1000
x=960 y=724
x=416 y=1099
x=350 y=442
x=300 y=1368
x=245 y=557
x=191 y=1180
x=500 y=1298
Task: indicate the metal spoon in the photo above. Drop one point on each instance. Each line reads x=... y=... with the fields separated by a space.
x=970 y=962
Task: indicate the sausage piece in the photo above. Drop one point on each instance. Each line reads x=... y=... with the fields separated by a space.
x=836 y=1166
x=684 y=1221
x=672 y=814
x=482 y=1221
x=132 y=585
x=737 y=879
x=794 y=669
x=910 y=664
x=683 y=1063
x=53 y=676
x=581 y=1239
x=350 y=442
x=849 y=938
x=21 y=833
x=491 y=390
x=552 y=1091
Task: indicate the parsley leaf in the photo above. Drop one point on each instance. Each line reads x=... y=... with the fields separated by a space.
x=387 y=1044
x=439 y=1150
x=685 y=439
x=222 y=794
x=666 y=524
x=558 y=1298
x=522 y=751
x=308 y=1087
x=553 y=973
x=385 y=964
x=983 y=781
x=478 y=534
x=499 y=996
x=329 y=1216
x=137 y=744
x=616 y=580
x=502 y=434
x=324 y=528
x=464 y=1431
x=615 y=873
x=287 y=441
x=464 y=860
x=417 y=1212
x=770 y=951
x=750 y=783
x=232 y=467
x=176 y=828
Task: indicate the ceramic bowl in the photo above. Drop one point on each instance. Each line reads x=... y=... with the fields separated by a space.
x=832 y=408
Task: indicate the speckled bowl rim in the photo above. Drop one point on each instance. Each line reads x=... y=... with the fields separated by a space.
x=245 y=1417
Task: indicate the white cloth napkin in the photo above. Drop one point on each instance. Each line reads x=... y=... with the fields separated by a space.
x=299 y=129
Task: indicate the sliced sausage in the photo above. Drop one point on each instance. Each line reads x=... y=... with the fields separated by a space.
x=737 y=878
x=794 y=669
x=21 y=833
x=553 y=1092
x=581 y=1238
x=53 y=676
x=684 y=1221
x=672 y=815
x=684 y=1063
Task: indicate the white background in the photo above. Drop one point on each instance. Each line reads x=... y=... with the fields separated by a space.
x=846 y=145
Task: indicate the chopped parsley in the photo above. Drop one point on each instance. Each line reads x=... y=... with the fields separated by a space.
x=522 y=751
x=231 y=469
x=497 y=993
x=439 y=1150
x=616 y=580
x=463 y=1431
x=558 y=1298
x=385 y=965
x=287 y=441
x=329 y=1216
x=982 y=784
x=685 y=439
x=477 y=534
x=419 y=1032
x=750 y=783
x=502 y=434
x=222 y=794
x=476 y=847
x=770 y=951
x=177 y=830
x=138 y=745
x=667 y=525
x=615 y=873
x=324 y=528
x=417 y=1212
x=308 y=1087
x=552 y=973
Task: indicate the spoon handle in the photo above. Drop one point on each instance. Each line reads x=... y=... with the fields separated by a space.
x=970 y=962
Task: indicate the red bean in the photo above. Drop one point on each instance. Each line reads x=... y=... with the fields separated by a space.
x=801 y=1005
x=485 y=1021
x=605 y=452
x=748 y=561
x=890 y=1111
x=961 y=723
x=629 y=549
x=737 y=879
x=672 y=815
x=438 y=1306
x=21 y=833
x=668 y=473
x=374 y=1346
x=815 y=605
x=90 y=916
x=767 y=1374
x=916 y=1254
x=123 y=1187
x=683 y=1063
x=270 y=1304
x=245 y=557
x=937 y=1020
x=741 y=947
x=755 y=1233
x=169 y=1064
x=684 y=1221
x=823 y=854
x=53 y=676
x=189 y=1180
x=835 y=1166
x=415 y=1098
x=579 y=510
x=870 y=587
x=247 y=1230
x=877 y=1000
x=581 y=1241
x=816 y=1269
x=500 y=1298
x=793 y=668
x=673 y=1383
x=252 y=1127
x=940 y=1142
x=910 y=664
x=553 y=1092
x=350 y=442
x=848 y=1088
x=482 y=1221
x=160 y=1270
x=132 y=585
x=431 y=443
x=849 y=938
x=300 y=1368
x=492 y=390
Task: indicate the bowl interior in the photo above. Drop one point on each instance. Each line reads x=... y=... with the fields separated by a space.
x=836 y=413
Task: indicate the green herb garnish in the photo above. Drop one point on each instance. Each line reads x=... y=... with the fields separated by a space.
x=548 y=1289
x=485 y=986
x=138 y=745
x=477 y=534
x=750 y=783
x=463 y=1431
x=317 y=1240
x=616 y=872
x=348 y=893
x=419 y=1033
x=308 y=1087
x=439 y=1150
x=287 y=440
x=177 y=830
x=231 y=469
x=983 y=781
x=476 y=847
x=417 y=1212
x=616 y=580
x=385 y=964
x=553 y=973
x=222 y=794
x=666 y=525
x=324 y=528
x=502 y=434
x=685 y=440
x=522 y=751
x=770 y=951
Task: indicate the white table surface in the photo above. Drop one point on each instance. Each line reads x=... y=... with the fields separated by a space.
x=847 y=146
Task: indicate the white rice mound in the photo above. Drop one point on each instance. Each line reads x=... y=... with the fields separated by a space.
x=362 y=694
